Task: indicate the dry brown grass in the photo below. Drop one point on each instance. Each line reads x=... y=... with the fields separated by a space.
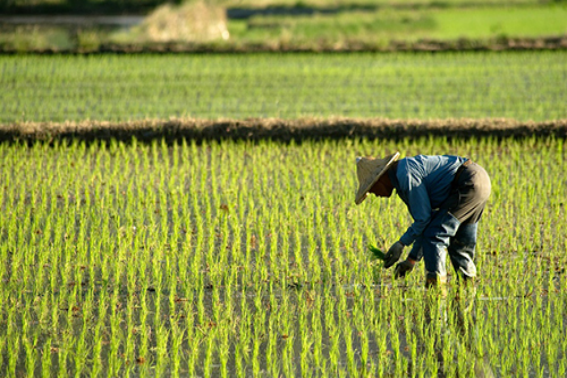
x=277 y=129
x=194 y=21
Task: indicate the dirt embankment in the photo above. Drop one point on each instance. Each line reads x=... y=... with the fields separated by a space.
x=276 y=129
x=497 y=44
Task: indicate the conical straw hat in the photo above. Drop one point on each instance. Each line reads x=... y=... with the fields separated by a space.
x=369 y=171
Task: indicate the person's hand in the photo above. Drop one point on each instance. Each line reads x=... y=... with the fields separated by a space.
x=393 y=254
x=404 y=267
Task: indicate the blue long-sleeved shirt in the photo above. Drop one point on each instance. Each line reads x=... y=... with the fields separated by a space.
x=423 y=183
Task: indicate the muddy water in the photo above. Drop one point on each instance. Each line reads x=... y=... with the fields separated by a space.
x=263 y=306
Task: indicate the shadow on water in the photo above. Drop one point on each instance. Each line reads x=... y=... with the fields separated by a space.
x=278 y=318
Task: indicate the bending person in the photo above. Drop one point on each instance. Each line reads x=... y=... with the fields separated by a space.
x=445 y=196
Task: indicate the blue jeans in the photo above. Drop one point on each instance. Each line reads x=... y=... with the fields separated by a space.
x=445 y=235
x=453 y=229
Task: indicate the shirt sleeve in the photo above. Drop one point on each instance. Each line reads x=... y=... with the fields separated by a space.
x=419 y=207
x=416 y=252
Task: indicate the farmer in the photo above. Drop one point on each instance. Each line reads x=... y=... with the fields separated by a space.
x=445 y=196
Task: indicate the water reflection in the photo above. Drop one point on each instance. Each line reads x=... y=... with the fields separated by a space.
x=454 y=318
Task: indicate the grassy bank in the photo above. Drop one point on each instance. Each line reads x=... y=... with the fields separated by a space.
x=281 y=6
x=312 y=27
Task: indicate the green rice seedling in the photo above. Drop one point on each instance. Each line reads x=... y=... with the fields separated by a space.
x=162 y=335
x=562 y=368
x=177 y=351
x=239 y=357
x=362 y=338
x=81 y=351
x=31 y=353
x=305 y=341
x=14 y=344
x=208 y=358
x=193 y=354
x=288 y=366
x=46 y=362
x=63 y=353
x=97 y=347
x=2 y=347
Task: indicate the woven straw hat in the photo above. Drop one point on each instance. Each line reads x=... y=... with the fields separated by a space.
x=369 y=171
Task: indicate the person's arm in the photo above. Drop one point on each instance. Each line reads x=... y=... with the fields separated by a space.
x=416 y=252
x=420 y=210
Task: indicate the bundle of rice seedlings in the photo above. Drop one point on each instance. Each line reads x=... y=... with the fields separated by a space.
x=376 y=252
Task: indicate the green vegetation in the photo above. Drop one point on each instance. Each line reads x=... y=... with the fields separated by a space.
x=176 y=257
x=312 y=26
x=376 y=252
x=237 y=259
x=379 y=28
x=485 y=23
x=522 y=86
x=137 y=6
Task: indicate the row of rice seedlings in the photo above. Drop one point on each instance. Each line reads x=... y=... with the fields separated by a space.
x=396 y=86
x=233 y=258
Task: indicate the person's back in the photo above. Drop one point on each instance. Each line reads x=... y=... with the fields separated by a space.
x=434 y=172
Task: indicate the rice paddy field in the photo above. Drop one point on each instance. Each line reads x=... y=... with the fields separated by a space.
x=249 y=259
x=516 y=85
x=236 y=259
